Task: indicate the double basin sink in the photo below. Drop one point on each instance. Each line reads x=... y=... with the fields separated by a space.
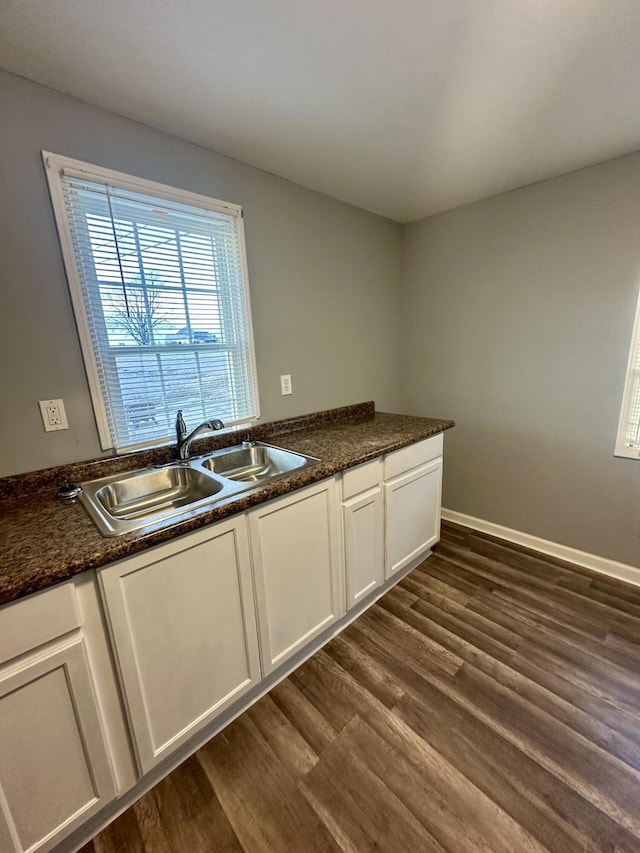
x=131 y=501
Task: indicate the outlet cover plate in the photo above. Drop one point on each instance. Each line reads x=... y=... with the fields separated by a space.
x=53 y=414
x=285 y=384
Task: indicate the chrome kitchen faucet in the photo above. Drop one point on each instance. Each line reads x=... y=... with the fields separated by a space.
x=184 y=439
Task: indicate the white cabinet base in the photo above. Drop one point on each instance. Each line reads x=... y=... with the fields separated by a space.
x=182 y=619
x=94 y=826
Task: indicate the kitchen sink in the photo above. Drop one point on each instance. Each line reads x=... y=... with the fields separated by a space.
x=255 y=462
x=133 y=500
x=130 y=501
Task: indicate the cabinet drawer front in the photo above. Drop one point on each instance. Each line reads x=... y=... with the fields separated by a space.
x=410 y=457
x=361 y=478
x=30 y=622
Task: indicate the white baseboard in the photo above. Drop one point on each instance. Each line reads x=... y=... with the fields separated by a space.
x=622 y=571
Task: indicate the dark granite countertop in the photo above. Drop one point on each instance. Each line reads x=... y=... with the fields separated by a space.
x=44 y=541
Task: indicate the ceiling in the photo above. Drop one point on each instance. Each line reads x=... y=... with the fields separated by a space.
x=402 y=107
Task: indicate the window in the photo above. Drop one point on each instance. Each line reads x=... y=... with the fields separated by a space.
x=158 y=281
x=628 y=440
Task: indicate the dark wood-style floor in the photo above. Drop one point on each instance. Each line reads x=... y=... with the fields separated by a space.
x=490 y=702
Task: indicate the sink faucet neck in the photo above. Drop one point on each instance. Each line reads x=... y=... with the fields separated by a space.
x=184 y=438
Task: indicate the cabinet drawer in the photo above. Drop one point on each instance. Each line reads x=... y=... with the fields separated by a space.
x=361 y=479
x=410 y=457
x=30 y=622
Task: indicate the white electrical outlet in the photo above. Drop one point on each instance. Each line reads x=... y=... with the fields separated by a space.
x=53 y=414
x=285 y=384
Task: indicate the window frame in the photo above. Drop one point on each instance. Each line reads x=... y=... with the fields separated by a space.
x=630 y=394
x=55 y=165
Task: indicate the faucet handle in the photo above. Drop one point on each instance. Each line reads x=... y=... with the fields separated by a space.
x=181 y=427
x=247 y=441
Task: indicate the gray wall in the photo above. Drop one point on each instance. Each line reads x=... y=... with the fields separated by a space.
x=323 y=275
x=517 y=315
x=514 y=317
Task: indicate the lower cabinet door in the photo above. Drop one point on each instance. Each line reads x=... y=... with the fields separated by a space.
x=412 y=503
x=298 y=569
x=363 y=525
x=182 y=619
x=54 y=767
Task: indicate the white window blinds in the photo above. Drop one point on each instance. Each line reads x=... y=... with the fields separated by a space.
x=159 y=288
x=628 y=440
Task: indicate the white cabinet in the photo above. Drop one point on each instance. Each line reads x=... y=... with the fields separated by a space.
x=413 y=487
x=189 y=623
x=183 y=625
x=363 y=528
x=297 y=568
x=55 y=768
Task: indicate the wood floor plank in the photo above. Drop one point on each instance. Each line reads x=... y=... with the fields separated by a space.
x=454 y=811
x=336 y=695
x=155 y=827
x=379 y=681
x=121 y=836
x=546 y=610
x=315 y=729
x=615 y=683
x=477 y=629
x=359 y=807
x=468 y=644
x=578 y=712
x=562 y=684
x=553 y=813
x=547 y=632
x=417 y=685
x=449 y=573
x=295 y=754
x=498 y=572
x=497 y=576
x=626 y=628
x=611 y=586
x=604 y=594
x=403 y=592
x=489 y=703
x=423 y=649
x=187 y=814
x=618 y=638
x=597 y=776
x=261 y=800
x=409 y=673
x=530 y=564
x=616 y=728
x=421 y=584
x=451 y=532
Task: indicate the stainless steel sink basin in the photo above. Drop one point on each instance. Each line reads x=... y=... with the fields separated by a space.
x=130 y=501
x=257 y=463
x=133 y=500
